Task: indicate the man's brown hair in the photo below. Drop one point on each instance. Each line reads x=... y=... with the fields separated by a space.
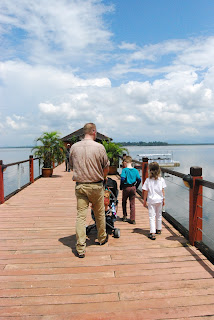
x=89 y=128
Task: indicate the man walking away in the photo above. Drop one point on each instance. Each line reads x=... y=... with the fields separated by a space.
x=90 y=165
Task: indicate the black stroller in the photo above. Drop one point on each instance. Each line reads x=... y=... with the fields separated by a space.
x=111 y=209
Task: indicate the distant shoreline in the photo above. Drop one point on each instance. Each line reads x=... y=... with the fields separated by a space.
x=170 y=144
x=163 y=145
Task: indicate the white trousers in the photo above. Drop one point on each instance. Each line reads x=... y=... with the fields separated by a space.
x=155 y=216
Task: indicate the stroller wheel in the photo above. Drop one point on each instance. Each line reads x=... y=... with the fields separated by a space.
x=117 y=233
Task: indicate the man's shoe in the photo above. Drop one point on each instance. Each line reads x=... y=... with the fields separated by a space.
x=124 y=219
x=105 y=241
x=132 y=221
x=81 y=255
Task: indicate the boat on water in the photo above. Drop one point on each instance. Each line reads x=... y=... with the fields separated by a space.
x=163 y=159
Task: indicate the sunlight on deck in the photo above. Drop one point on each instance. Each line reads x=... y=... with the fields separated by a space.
x=130 y=277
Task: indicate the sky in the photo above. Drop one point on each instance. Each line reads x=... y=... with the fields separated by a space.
x=141 y=70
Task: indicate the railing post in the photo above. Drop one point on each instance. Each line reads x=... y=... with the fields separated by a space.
x=195 y=206
x=31 y=169
x=1 y=182
x=144 y=170
x=40 y=166
x=19 y=176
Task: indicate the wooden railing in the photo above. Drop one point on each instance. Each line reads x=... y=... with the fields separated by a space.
x=3 y=167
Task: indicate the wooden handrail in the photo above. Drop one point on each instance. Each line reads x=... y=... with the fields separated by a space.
x=174 y=173
x=5 y=166
x=205 y=183
x=19 y=162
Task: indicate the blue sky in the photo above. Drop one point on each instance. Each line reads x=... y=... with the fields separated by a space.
x=140 y=69
x=157 y=20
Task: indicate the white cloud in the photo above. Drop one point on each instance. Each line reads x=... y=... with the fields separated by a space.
x=167 y=57
x=18 y=117
x=51 y=31
x=60 y=101
x=63 y=70
x=127 y=46
x=199 y=53
x=48 y=108
x=65 y=109
x=1 y=126
x=17 y=125
x=190 y=131
x=154 y=52
x=130 y=118
x=43 y=128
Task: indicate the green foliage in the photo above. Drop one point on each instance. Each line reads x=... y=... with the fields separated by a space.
x=114 y=150
x=74 y=139
x=51 y=150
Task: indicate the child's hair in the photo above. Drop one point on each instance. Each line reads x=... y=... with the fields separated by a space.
x=154 y=170
x=128 y=159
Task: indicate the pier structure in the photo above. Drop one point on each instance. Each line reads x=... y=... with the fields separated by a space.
x=130 y=277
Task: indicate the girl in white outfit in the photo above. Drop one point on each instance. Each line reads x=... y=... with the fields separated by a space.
x=154 y=196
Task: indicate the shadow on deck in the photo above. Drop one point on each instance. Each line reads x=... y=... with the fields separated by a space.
x=130 y=277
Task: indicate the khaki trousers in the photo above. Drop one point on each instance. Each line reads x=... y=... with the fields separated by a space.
x=89 y=193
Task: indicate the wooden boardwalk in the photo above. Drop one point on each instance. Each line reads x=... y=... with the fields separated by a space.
x=128 y=278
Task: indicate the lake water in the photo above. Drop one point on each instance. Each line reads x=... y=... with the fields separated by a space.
x=188 y=156
x=177 y=195
x=18 y=175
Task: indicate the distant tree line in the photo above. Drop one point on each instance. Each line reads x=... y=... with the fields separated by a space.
x=142 y=143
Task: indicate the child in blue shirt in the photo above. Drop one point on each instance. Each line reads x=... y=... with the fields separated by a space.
x=130 y=180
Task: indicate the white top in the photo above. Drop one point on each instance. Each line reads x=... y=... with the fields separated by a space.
x=154 y=188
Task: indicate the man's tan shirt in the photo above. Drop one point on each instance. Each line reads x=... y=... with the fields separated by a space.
x=88 y=159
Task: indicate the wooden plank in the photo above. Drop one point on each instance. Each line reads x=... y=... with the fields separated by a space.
x=41 y=277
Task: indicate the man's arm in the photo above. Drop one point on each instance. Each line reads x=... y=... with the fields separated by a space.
x=105 y=172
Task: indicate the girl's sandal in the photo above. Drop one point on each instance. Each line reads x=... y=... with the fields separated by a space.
x=151 y=236
x=158 y=231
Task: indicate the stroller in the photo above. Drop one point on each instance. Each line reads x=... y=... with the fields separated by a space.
x=111 y=203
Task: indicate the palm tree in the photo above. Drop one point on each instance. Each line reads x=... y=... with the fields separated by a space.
x=114 y=151
x=51 y=150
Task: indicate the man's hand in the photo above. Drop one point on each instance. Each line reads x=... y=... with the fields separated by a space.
x=105 y=181
x=105 y=172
